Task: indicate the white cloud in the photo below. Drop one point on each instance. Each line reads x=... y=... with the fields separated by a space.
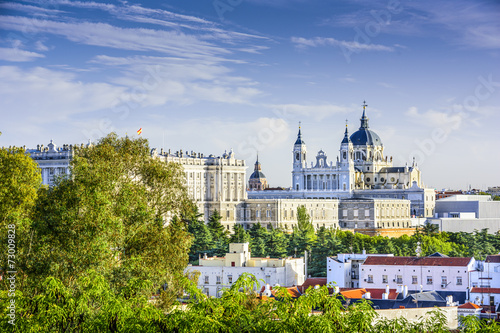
x=40 y=95
x=38 y=10
x=448 y=121
x=184 y=81
x=39 y=46
x=348 y=79
x=17 y=55
x=386 y=85
x=354 y=46
x=137 y=39
x=264 y=134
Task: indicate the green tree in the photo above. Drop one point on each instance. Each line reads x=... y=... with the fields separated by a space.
x=258 y=240
x=303 y=234
x=202 y=237
x=112 y=216
x=20 y=182
x=239 y=235
x=430 y=229
x=325 y=245
x=220 y=235
x=215 y=226
x=277 y=243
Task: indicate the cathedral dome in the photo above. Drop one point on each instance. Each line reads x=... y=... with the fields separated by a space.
x=364 y=136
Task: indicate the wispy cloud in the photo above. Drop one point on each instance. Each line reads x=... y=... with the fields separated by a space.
x=53 y=95
x=459 y=22
x=18 y=55
x=386 y=85
x=30 y=9
x=106 y=35
x=448 y=121
x=181 y=80
x=354 y=46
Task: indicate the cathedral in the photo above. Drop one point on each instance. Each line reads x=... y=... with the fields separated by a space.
x=361 y=165
x=361 y=170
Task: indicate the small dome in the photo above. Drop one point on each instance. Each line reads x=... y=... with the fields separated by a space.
x=257 y=174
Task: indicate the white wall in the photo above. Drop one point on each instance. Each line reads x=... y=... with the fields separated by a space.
x=291 y=274
x=421 y=272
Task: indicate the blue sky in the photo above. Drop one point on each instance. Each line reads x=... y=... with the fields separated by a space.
x=209 y=76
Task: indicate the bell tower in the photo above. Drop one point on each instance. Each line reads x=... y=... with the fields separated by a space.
x=346 y=163
x=299 y=162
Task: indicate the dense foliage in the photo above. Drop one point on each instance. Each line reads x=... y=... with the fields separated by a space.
x=276 y=242
x=108 y=217
x=92 y=250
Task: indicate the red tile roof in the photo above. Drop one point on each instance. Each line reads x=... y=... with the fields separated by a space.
x=293 y=291
x=353 y=293
x=469 y=305
x=416 y=261
x=485 y=290
x=493 y=258
x=377 y=293
x=311 y=282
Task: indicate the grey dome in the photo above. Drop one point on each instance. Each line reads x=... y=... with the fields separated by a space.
x=364 y=136
x=257 y=174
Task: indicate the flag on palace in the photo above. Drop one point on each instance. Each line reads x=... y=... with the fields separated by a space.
x=139 y=131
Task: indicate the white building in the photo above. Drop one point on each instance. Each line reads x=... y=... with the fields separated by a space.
x=343 y=270
x=487 y=274
x=213 y=182
x=436 y=272
x=362 y=171
x=467 y=213
x=52 y=160
x=485 y=296
x=217 y=273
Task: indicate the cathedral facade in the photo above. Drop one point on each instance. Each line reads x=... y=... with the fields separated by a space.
x=361 y=170
x=361 y=165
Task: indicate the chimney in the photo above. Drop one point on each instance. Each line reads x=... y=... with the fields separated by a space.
x=387 y=290
x=205 y=256
x=336 y=290
x=385 y=296
x=267 y=290
x=405 y=291
x=368 y=295
x=364 y=251
x=449 y=300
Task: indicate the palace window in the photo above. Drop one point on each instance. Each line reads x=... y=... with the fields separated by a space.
x=206 y=279
x=429 y=279
x=370 y=279
x=459 y=280
x=414 y=279
x=384 y=279
x=399 y=279
x=218 y=280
